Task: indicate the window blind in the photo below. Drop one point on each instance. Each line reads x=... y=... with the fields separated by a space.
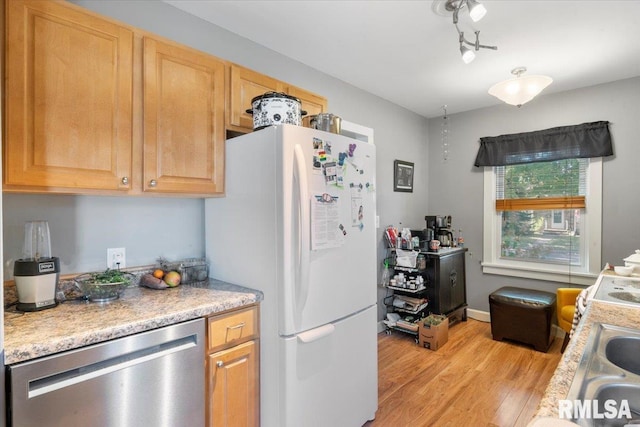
x=560 y=184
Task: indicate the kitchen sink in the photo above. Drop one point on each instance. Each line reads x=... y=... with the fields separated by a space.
x=618 y=392
x=609 y=370
x=624 y=352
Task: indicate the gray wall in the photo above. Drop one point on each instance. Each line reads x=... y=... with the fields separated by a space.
x=456 y=186
x=83 y=227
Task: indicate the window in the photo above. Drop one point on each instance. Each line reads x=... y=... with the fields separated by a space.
x=543 y=202
x=534 y=199
x=542 y=220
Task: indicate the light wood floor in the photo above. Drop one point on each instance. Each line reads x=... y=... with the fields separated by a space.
x=471 y=381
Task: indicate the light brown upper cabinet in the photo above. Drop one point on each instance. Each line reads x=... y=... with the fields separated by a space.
x=246 y=85
x=94 y=107
x=68 y=99
x=311 y=103
x=184 y=93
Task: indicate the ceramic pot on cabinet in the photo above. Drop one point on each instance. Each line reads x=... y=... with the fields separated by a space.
x=633 y=260
x=275 y=108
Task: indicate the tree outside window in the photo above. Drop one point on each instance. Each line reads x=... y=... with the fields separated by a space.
x=537 y=234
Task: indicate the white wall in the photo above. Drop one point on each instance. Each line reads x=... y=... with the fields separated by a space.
x=456 y=186
x=75 y=221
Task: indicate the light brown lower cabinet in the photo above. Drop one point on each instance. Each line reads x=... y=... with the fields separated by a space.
x=233 y=369
x=234 y=386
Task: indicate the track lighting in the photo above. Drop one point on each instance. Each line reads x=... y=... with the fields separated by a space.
x=467 y=54
x=476 y=12
x=519 y=90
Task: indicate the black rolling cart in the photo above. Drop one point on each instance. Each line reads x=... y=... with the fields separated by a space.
x=436 y=285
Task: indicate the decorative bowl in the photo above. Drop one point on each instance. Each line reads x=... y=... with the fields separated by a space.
x=103 y=286
x=623 y=271
x=633 y=260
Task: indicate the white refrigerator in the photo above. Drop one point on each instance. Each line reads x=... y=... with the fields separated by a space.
x=298 y=223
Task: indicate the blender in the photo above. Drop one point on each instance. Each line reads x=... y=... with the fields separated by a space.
x=36 y=274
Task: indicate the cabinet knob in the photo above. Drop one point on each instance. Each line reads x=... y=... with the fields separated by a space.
x=153 y=183
x=125 y=180
x=219 y=363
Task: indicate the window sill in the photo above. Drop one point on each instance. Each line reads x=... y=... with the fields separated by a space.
x=573 y=277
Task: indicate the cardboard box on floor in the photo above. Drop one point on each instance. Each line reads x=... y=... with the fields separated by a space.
x=433 y=336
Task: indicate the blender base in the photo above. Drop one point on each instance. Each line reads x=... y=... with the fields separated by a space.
x=31 y=306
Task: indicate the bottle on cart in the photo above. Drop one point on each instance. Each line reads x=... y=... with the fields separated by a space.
x=460 y=239
x=386 y=274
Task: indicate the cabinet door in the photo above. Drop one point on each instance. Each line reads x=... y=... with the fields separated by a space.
x=183 y=120
x=68 y=99
x=311 y=103
x=233 y=387
x=458 y=282
x=246 y=85
x=445 y=286
x=452 y=282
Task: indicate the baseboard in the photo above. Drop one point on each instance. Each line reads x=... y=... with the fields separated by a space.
x=485 y=316
x=480 y=315
x=559 y=331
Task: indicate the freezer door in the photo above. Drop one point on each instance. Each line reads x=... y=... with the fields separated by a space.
x=331 y=374
x=328 y=184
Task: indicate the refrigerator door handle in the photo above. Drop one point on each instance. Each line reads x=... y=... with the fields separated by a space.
x=317 y=333
x=301 y=263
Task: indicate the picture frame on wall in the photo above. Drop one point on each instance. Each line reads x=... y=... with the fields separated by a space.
x=403 y=176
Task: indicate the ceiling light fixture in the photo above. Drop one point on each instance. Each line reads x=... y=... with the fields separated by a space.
x=476 y=13
x=467 y=54
x=476 y=10
x=519 y=90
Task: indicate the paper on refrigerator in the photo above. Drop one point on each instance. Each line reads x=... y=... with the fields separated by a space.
x=326 y=229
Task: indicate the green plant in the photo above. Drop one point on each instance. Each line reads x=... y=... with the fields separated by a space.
x=110 y=276
x=433 y=320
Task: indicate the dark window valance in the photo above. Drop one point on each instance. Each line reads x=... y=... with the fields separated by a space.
x=565 y=142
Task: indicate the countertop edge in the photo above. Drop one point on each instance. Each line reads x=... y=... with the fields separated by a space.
x=26 y=337
x=597 y=312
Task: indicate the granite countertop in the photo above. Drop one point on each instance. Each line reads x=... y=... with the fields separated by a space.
x=74 y=324
x=596 y=312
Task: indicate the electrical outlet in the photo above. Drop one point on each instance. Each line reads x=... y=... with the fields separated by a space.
x=116 y=258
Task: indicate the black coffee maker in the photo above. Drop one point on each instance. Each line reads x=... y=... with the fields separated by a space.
x=439 y=228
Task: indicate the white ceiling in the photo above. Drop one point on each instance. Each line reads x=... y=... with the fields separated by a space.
x=404 y=52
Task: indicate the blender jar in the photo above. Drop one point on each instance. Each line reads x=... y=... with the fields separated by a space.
x=37 y=241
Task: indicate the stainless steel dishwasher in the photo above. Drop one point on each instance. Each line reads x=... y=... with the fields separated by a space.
x=154 y=378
